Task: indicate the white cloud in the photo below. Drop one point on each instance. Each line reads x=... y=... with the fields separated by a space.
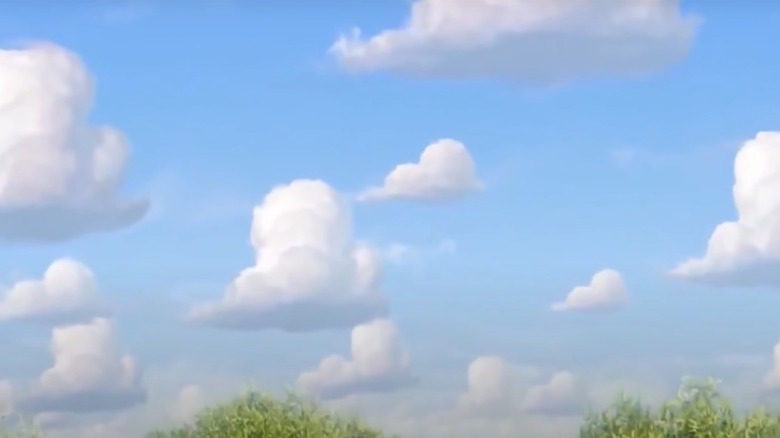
x=378 y=364
x=445 y=172
x=46 y=96
x=528 y=41
x=559 y=396
x=772 y=378
x=67 y=293
x=746 y=252
x=90 y=374
x=490 y=387
x=605 y=291
x=309 y=272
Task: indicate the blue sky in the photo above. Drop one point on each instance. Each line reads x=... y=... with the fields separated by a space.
x=223 y=102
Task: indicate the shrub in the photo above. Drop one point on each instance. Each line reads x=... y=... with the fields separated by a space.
x=698 y=411
x=258 y=416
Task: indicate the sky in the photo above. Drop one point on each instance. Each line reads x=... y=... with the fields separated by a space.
x=450 y=217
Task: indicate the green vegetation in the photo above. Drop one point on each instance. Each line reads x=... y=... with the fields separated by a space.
x=698 y=411
x=258 y=416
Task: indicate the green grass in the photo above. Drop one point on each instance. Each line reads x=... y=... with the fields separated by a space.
x=698 y=411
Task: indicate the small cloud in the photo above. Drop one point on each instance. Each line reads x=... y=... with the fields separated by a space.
x=445 y=172
x=378 y=364
x=89 y=374
x=746 y=252
x=309 y=273
x=606 y=291
x=67 y=293
x=46 y=130
x=490 y=387
x=559 y=396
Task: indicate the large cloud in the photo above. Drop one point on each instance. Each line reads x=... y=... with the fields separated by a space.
x=606 y=291
x=309 y=273
x=531 y=41
x=378 y=364
x=445 y=172
x=90 y=374
x=67 y=293
x=746 y=252
x=59 y=175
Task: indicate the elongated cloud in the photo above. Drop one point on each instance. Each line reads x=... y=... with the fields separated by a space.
x=525 y=41
x=59 y=175
x=309 y=273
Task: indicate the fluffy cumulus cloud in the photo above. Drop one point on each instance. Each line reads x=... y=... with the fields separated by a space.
x=746 y=252
x=528 y=41
x=59 y=175
x=559 y=396
x=90 y=374
x=67 y=293
x=445 y=172
x=378 y=364
x=490 y=387
x=309 y=273
x=606 y=290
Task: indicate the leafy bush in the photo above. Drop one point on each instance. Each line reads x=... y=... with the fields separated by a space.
x=259 y=416
x=698 y=411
